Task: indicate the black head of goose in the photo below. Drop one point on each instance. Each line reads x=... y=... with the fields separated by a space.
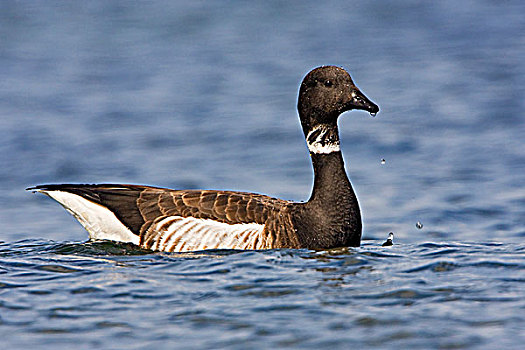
x=188 y=220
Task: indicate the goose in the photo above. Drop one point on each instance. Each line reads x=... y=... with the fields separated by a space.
x=162 y=219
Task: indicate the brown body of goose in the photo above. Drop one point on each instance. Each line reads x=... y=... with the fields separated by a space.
x=188 y=220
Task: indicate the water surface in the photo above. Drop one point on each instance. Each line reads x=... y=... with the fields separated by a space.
x=453 y=295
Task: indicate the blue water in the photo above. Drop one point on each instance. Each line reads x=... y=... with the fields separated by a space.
x=203 y=95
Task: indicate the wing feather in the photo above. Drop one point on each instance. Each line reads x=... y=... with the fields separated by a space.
x=185 y=220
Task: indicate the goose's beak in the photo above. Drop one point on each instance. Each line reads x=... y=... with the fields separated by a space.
x=360 y=101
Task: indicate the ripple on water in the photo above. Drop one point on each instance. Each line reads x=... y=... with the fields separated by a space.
x=438 y=266
x=409 y=294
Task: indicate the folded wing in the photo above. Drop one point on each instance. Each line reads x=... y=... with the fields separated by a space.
x=171 y=220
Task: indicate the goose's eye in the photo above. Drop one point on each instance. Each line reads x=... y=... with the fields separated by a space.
x=328 y=83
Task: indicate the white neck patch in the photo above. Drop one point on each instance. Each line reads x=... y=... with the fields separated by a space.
x=323 y=139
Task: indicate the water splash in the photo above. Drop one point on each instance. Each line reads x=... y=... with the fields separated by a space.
x=390 y=240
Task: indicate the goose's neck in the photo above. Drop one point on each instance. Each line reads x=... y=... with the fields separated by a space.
x=331 y=184
x=332 y=195
x=329 y=172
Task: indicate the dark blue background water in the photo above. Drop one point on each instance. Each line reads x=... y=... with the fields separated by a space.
x=202 y=95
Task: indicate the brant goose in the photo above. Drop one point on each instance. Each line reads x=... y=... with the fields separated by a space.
x=188 y=220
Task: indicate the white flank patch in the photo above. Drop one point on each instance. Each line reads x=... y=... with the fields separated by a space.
x=189 y=234
x=320 y=145
x=98 y=220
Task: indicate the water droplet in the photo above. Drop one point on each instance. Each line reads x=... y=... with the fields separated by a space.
x=419 y=225
x=373 y=114
x=383 y=161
